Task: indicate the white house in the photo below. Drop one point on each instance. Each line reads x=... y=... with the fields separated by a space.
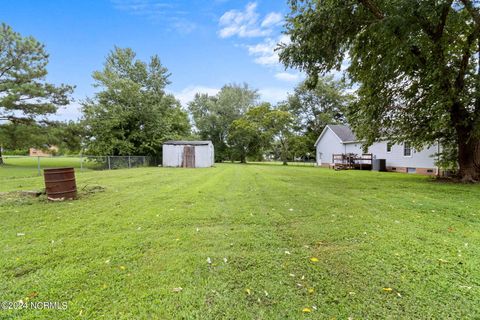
x=188 y=154
x=340 y=139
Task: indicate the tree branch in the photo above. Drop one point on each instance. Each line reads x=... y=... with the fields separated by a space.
x=6 y=70
x=458 y=110
x=373 y=9
x=379 y=15
x=443 y=19
x=435 y=32
x=477 y=101
x=472 y=10
x=14 y=62
x=16 y=119
x=467 y=53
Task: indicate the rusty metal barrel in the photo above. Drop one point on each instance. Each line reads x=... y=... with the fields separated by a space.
x=60 y=183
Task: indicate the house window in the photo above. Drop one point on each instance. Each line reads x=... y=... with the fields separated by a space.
x=407 y=150
x=389 y=147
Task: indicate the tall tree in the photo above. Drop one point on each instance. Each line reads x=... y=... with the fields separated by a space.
x=67 y=136
x=21 y=136
x=18 y=136
x=301 y=147
x=132 y=114
x=213 y=115
x=25 y=96
x=280 y=125
x=315 y=107
x=248 y=136
x=417 y=64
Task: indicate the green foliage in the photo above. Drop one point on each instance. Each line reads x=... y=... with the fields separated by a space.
x=280 y=124
x=416 y=64
x=67 y=136
x=248 y=136
x=261 y=129
x=243 y=138
x=213 y=115
x=20 y=136
x=315 y=107
x=301 y=147
x=17 y=152
x=132 y=114
x=24 y=94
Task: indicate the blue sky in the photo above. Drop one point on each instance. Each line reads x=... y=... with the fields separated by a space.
x=204 y=44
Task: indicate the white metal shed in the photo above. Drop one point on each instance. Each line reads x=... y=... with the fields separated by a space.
x=188 y=154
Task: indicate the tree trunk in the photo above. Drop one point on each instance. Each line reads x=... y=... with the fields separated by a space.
x=468 y=158
x=284 y=157
x=243 y=158
x=1 y=158
x=284 y=152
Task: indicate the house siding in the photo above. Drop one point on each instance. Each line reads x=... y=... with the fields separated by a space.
x=328 y=145
x=353 y=148
x=419 y=159
x=33 y=152
x=423 y=160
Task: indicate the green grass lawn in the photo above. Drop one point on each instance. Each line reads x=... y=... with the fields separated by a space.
x=18 y=167
x=15 y=167
x=281 y=241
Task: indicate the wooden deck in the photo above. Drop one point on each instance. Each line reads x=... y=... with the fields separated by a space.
x=351 y=161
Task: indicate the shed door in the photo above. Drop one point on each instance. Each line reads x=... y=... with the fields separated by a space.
x=188 y=157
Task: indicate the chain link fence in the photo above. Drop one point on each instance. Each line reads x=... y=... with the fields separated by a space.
x=309 y=163
x=35 y=164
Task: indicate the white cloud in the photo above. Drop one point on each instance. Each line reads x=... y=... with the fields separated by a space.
x=148 y=8
x=187 y=94
x=272 y=19
x=273 y=95
x=245 y=24
x=265 y=53
x=184 y=26
x=68 y=112
x=265 y=47
x=269 y=94
x=159 y=12
x=248 y=23
x=289 y=77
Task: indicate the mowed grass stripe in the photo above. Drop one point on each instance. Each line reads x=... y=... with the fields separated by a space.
x=118 y=254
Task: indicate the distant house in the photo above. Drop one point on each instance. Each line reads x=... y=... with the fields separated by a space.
x=188 y=154
x=340 y=139
x=33 y=152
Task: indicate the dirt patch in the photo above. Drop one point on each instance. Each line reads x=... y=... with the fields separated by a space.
x=90 y=189
x=452 y=180
x=27 y=197
x=22 y=193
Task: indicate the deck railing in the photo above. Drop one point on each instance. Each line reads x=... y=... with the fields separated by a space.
x=352 y=161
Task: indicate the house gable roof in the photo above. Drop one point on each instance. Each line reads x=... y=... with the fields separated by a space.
x=194 y=143
x=343 y=132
